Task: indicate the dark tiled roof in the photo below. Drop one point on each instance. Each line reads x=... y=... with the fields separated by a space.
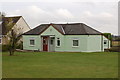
x=37 y=30
x=7 y=19
x=66 y=29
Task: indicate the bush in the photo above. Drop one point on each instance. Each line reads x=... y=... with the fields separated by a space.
x=20 y=46
x=115 y=49
x=4 y=47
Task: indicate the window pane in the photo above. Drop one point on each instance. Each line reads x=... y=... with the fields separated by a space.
x=32 y=42
x=75 y=42
x=51 y=41
x=58 y=42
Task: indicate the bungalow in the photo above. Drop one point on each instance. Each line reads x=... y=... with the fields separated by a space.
x=74 y=37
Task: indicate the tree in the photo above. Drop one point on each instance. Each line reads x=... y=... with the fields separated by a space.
x=108 y=35
x=12 y=35
x=13 y=42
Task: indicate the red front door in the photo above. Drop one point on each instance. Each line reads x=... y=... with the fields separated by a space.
x=45 y=43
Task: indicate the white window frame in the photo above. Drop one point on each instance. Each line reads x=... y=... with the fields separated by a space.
x=34 y=42
x=78 y=42
x=57 y=43
x=106 y=42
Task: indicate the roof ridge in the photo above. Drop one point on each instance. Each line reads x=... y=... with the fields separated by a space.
x=84 y=28
x=61 y=23
x=93 y=29
x=12 y=16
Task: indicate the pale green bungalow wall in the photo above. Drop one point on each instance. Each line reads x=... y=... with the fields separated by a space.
x=87 y=43
x=94 y=43
x=68 y=39
x=26 y=42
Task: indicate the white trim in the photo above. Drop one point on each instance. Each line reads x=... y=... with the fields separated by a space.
x=31 y=45
x=56 y=42
x=63 y=30
x=78 y=43
x=106 y=42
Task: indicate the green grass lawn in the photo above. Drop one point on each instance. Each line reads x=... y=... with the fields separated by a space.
x=60 y=65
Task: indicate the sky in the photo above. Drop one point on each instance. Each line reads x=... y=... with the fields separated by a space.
x=101 y=15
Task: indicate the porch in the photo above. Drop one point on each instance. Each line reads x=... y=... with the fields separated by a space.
x=48 y=43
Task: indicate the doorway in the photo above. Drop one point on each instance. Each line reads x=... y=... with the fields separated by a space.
x=52 y=44
x=45 y=43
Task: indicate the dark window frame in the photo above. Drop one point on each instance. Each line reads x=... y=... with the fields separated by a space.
x=75 y=44
x=32 y=43
x=58 y=42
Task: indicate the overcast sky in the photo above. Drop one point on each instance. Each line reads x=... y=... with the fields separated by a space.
x=99 y=14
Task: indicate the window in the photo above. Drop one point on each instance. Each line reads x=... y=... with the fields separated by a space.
x=105 y=41
x=75 y=43
x=32 y=42
x=58 y=41
x=52 y=40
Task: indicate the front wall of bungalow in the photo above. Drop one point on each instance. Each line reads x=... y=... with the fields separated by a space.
x=53 y=32
x=26 y=42
x=82 y=43
x=86 y=43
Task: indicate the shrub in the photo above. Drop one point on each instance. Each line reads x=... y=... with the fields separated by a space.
x=115 y=49
x=4 y=47
x=20 y=46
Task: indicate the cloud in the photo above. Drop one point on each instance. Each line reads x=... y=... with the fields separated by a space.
x=36 y=15
x=64 y=13
x=105 y=22
x=99 y=16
